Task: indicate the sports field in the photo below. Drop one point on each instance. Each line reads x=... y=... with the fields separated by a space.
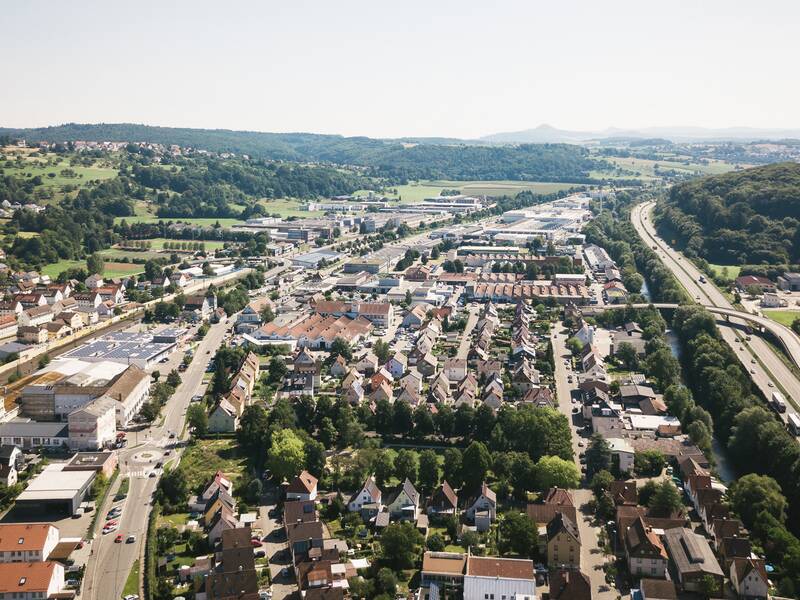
x=419 y=190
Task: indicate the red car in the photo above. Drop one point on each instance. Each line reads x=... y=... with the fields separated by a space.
x=255 y=543
x=109 y=523
x=118 y=539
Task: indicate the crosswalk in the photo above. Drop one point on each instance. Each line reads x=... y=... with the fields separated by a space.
x=140 y=473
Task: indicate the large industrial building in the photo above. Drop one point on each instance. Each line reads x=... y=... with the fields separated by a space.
x=69 y=384
x=125 y=348
x=55 y=490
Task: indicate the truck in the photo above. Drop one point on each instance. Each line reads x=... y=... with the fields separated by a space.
x=778 y=403
x=793 y=424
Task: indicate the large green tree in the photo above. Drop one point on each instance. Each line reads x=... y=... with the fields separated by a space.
x=286 y=456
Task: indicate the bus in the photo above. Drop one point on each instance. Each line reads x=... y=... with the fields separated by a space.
x=793 y=423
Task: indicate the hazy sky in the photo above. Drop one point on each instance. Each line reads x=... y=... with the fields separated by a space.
x=414 y=67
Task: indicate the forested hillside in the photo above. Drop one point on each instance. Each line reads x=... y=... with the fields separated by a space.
x=383 y=158
x=747 y=217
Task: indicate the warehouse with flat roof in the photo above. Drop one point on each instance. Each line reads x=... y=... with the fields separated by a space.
x=126 y=348
x=55 y=490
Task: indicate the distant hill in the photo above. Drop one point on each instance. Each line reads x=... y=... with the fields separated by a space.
x=549 y=134
x=414 y=158
x=543 y=134
x=743 y=217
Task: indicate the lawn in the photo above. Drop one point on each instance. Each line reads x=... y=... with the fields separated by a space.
x=112 y=254
x=784 y=317
x=176 y=520
x=289 y=207
x=732 y=270
x=198 y=221
x=132 y=582
x=158 y=243
x=203 y=458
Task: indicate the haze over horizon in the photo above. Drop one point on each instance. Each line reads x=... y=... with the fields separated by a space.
x=452 y=69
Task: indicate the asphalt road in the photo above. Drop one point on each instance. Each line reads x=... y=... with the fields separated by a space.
x=759 y=359
x=592 y=557
x=110 y=563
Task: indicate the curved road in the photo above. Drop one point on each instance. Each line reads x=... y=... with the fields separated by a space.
x=768 y=371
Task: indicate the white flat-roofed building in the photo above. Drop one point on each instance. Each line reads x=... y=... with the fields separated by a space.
x=494 y=577
x=55 y=489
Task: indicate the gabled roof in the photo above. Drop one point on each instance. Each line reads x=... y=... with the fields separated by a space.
x=371 y=488
x=658 y=589
x=570 y=585
x=23 y=536
x=623 y=492
x=559 y=497
x=445 y=495
x=744 y=566
x=304 y=483
x=406 y=487
x=562 y=523
x=640 y=541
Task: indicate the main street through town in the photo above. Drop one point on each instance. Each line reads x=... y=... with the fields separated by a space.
x=767 y=369
x=110 y=562
x=592 y=557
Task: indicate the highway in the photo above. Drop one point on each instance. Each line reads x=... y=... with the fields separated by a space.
x=767 y=369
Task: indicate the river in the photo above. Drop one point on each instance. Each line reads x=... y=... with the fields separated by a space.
x=723 y=466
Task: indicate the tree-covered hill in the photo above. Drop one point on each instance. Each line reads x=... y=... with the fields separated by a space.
x=745 y=217
x=383 y=158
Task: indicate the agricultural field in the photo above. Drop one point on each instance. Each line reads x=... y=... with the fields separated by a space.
x=646 y=169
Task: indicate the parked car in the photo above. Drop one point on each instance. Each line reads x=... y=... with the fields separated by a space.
x=118 y=539
x=131 y=539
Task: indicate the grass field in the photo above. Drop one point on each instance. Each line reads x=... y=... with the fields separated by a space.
x=732 y=270
x=205 y=457
x=158 y=243
x=82 y=175
x=646 y=167
x=118 y=253
x=784 y=317
x=289 y=207
x=112 y=269
x=132 y=582
x=418 y=191
x=27 y=234
x=199 y=221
